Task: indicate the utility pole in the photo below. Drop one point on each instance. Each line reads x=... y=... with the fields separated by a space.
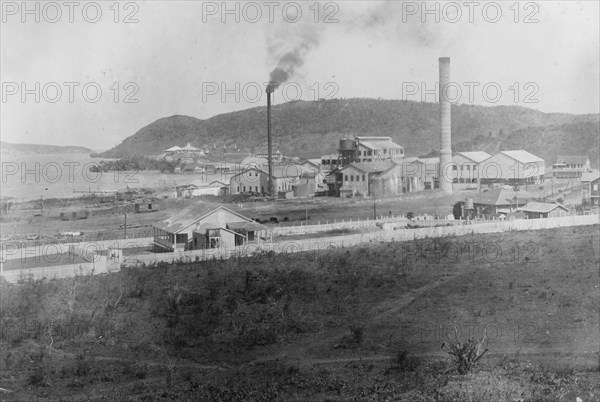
x=125 y=227
x=374 y=208
x=306 y=210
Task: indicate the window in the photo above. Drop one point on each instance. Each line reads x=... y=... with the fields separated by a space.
x=594 y=187
x=468 y=168
x=351 y=177
x=363 y=177
x=454 y=167
x=345 y=177
x=244 y=189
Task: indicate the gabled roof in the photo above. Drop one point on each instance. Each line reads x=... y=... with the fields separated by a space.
x=173 y=149
x=475 y=156
x=573 y=160
x=428 y=161
x=316 y=163
x=371 y=167
x=378 y=143
x=247 y=226
x=189 y=147
x=590 y=176
x=414 y=159
x=190 y=216
x=522 y=156
x=541 y=207
x=502 y=197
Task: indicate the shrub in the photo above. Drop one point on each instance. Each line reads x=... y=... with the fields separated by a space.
x=83 y=364
x=358 y=334
x=465 y=354
x=405 y=362
x=38 y=376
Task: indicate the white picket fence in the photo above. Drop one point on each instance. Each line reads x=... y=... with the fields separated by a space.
x=329 y=243
x=357 y=224
x=19 y=250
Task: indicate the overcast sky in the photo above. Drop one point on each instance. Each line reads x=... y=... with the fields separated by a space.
x=169 y=59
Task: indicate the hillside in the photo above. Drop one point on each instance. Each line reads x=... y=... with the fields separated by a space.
x=312 y=128
x=7 y=147
x=361 y=323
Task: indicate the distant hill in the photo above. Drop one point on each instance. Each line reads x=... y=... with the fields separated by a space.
x=7 y=147
x=314 y=128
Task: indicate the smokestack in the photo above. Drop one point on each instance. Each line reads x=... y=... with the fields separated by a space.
x=271 y=191
x=445 y=125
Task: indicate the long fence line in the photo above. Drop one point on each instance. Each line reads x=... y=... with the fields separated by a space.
x=103 y=264
x=14 y=250
x=330 y=243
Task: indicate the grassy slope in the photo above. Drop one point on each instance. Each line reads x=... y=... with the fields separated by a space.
x=288 y=326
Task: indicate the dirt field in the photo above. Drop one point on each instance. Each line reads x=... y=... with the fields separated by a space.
x=350 y=324
x=108 y=221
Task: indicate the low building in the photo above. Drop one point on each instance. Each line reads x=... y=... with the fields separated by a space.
x=513 y=167
x=570 y=167
x=195 y=228
x=500 y=201
x=142 y=207
x=192 y=190
x=590 y=182
x=465 y=170
x=536 y=210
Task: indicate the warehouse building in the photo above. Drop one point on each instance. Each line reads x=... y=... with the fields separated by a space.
x=513 y=167
x=465 y=170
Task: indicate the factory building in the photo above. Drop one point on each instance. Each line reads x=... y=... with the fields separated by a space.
x=513 y=167
x=419 y=174
x=369 y=149
x=256 y=181
x=375 y=179
x=464 y=172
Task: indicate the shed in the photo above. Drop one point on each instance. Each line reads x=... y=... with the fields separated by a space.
x=535 y=210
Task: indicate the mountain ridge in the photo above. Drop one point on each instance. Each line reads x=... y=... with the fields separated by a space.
x=313 y=128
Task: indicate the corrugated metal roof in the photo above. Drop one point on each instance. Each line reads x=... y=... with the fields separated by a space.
x=429 y=161
x=371 y=167
x=381 y=145
x=572 y=159
x=522 y=156
x=191 y=215
x=475 y=156
x=247 y=226
x=541 y=207
x=590 y=176
x=502 y=197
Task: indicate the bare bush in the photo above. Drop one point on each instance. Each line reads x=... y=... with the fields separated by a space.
x=465 y=354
